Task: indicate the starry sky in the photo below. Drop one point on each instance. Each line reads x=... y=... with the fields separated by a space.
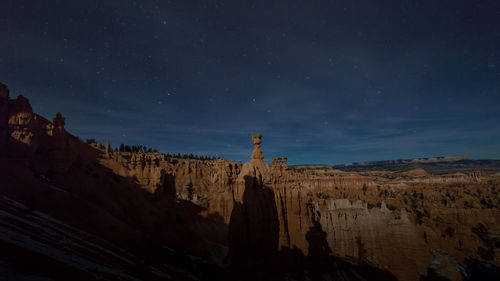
x=324 y=81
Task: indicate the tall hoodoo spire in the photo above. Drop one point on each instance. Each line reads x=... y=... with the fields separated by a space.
x=257 y=153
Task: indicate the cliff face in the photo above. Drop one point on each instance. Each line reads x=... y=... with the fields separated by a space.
x=402 y=222
x=411 y=224
x=63 y=212
x=24 y=134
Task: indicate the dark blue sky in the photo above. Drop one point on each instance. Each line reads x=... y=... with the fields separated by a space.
x=323 y=81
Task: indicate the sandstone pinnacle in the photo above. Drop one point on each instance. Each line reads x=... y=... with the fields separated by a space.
x=257 y=140
x=108 y=148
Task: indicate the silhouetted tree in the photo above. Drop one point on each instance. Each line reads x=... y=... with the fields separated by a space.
x=190 y=189
x=361 y=251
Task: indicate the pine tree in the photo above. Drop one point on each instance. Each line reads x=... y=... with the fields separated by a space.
x=190 y=190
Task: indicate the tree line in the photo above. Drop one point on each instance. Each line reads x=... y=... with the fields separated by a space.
x=135 y=148
x=191 y=156
x=145 y=149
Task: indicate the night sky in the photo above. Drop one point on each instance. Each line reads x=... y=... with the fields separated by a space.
x=323 y=81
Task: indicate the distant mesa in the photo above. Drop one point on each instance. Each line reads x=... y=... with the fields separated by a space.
x=432 y=165
x=407 y=161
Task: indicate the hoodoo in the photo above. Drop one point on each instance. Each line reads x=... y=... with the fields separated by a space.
x=257 y=155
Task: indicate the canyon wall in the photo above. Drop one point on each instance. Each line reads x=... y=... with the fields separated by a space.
x=411 y=224
x=407 y=223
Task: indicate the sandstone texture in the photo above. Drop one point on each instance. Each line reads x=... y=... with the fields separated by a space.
x=391 y=220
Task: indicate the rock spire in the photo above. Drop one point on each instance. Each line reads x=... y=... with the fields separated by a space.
x=257 y=153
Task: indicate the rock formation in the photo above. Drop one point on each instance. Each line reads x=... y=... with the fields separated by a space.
x=108 y=149
x=391 y=220
x=257 y=153
x=59 y=122
x=412 y=224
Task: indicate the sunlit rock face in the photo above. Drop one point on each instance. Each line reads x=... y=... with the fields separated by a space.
x=390 y=220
